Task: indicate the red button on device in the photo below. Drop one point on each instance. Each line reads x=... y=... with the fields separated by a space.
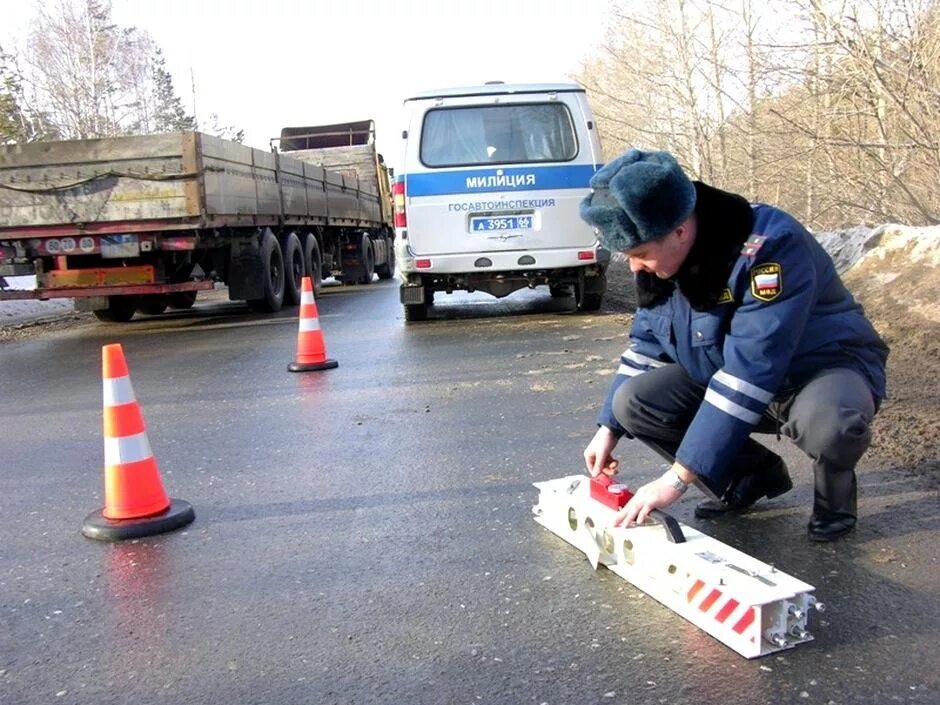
x=607 y=492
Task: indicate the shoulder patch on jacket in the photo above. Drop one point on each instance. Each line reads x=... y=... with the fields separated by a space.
x=726 y=297
x=767 y=281
x=752 y=245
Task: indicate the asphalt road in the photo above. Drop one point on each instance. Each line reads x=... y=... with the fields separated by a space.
x=364 y=535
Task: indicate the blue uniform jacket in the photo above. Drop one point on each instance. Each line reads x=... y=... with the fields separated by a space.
x=784 y=316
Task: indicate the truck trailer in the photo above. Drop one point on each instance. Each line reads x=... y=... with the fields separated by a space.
x=142 y=223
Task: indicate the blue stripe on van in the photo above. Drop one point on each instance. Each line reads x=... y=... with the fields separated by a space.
x=533 y=178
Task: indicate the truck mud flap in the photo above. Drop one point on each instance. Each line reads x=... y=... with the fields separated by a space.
x=245 y=273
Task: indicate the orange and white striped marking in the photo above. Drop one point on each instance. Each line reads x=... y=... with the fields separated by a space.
x=133 y=488
x=746 y=604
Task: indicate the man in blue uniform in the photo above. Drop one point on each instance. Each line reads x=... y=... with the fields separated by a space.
x=742 y=325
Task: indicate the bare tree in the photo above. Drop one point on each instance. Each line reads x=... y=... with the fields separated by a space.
x=19 y=121
x=229 y=132
x=828 y=108
x=13 y=127
x=94 y=78
x=670 y=74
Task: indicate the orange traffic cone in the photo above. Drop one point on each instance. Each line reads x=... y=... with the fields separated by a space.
x=135 y=502
x=311 y=350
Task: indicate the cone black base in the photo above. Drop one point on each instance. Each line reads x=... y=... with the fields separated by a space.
x=97 y=526
x=327 y=364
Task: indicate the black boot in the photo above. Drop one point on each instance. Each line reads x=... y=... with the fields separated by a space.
x=835 y=503
x=748 y=488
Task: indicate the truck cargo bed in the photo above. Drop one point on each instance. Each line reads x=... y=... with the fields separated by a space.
x=170 y=181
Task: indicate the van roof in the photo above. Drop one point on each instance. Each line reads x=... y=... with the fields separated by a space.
x=497 y=88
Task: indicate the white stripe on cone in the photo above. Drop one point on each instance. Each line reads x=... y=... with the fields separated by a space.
x=306 y=297
x=117 y=391
x=308 y=324
x=129 y=449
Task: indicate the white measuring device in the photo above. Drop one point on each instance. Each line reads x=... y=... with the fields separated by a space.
x=744 y=603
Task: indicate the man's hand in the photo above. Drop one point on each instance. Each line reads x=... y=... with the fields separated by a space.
x=653 y=495
x=597 y=456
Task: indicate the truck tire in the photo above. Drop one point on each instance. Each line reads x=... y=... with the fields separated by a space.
x=313 y=261
x=416 y=312
x=387 y=270
x=559 y=291
x=367 y=260
x=120 y=309
x=293 y=255
x=152 y=305
x=182 y=299
x=273 y=273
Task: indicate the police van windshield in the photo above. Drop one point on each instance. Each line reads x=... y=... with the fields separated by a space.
x=499 y=134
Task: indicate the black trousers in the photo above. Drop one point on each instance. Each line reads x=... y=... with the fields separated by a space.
x=828 y=419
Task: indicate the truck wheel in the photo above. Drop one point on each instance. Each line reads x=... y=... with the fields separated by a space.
x=416 y=312
x=152 y=305
x=367 y=259
x=387 y=270
x=120 y=309
x=559 y=291
x=182 y=299
x=293 y=256
x=313 y=262
x=273 y=272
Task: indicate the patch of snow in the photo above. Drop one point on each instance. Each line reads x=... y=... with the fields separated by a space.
x=29 y=310
x=846 y=247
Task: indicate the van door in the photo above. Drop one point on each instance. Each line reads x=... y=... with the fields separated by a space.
x=504 y=174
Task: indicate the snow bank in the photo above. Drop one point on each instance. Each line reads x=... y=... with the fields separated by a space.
x=849 y=247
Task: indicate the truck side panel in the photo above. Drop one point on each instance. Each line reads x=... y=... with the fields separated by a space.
x=293 y=188
x=343 y=201
x=117 y=179
x=172 y=177
x=228 y=181
x=314 y=182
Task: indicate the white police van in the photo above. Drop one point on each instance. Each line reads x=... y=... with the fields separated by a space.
x=487 y=195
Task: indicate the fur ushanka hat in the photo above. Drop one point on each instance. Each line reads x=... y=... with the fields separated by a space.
x=638 y=197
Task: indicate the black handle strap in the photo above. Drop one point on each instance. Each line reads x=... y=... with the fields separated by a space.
x=672 y=527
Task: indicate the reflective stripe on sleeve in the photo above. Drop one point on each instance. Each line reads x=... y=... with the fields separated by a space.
x=629 y=371
x=729 y=407
x=739 y=385
x=636 y=357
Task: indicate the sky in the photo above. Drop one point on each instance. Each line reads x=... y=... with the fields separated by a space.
x=265 y=64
